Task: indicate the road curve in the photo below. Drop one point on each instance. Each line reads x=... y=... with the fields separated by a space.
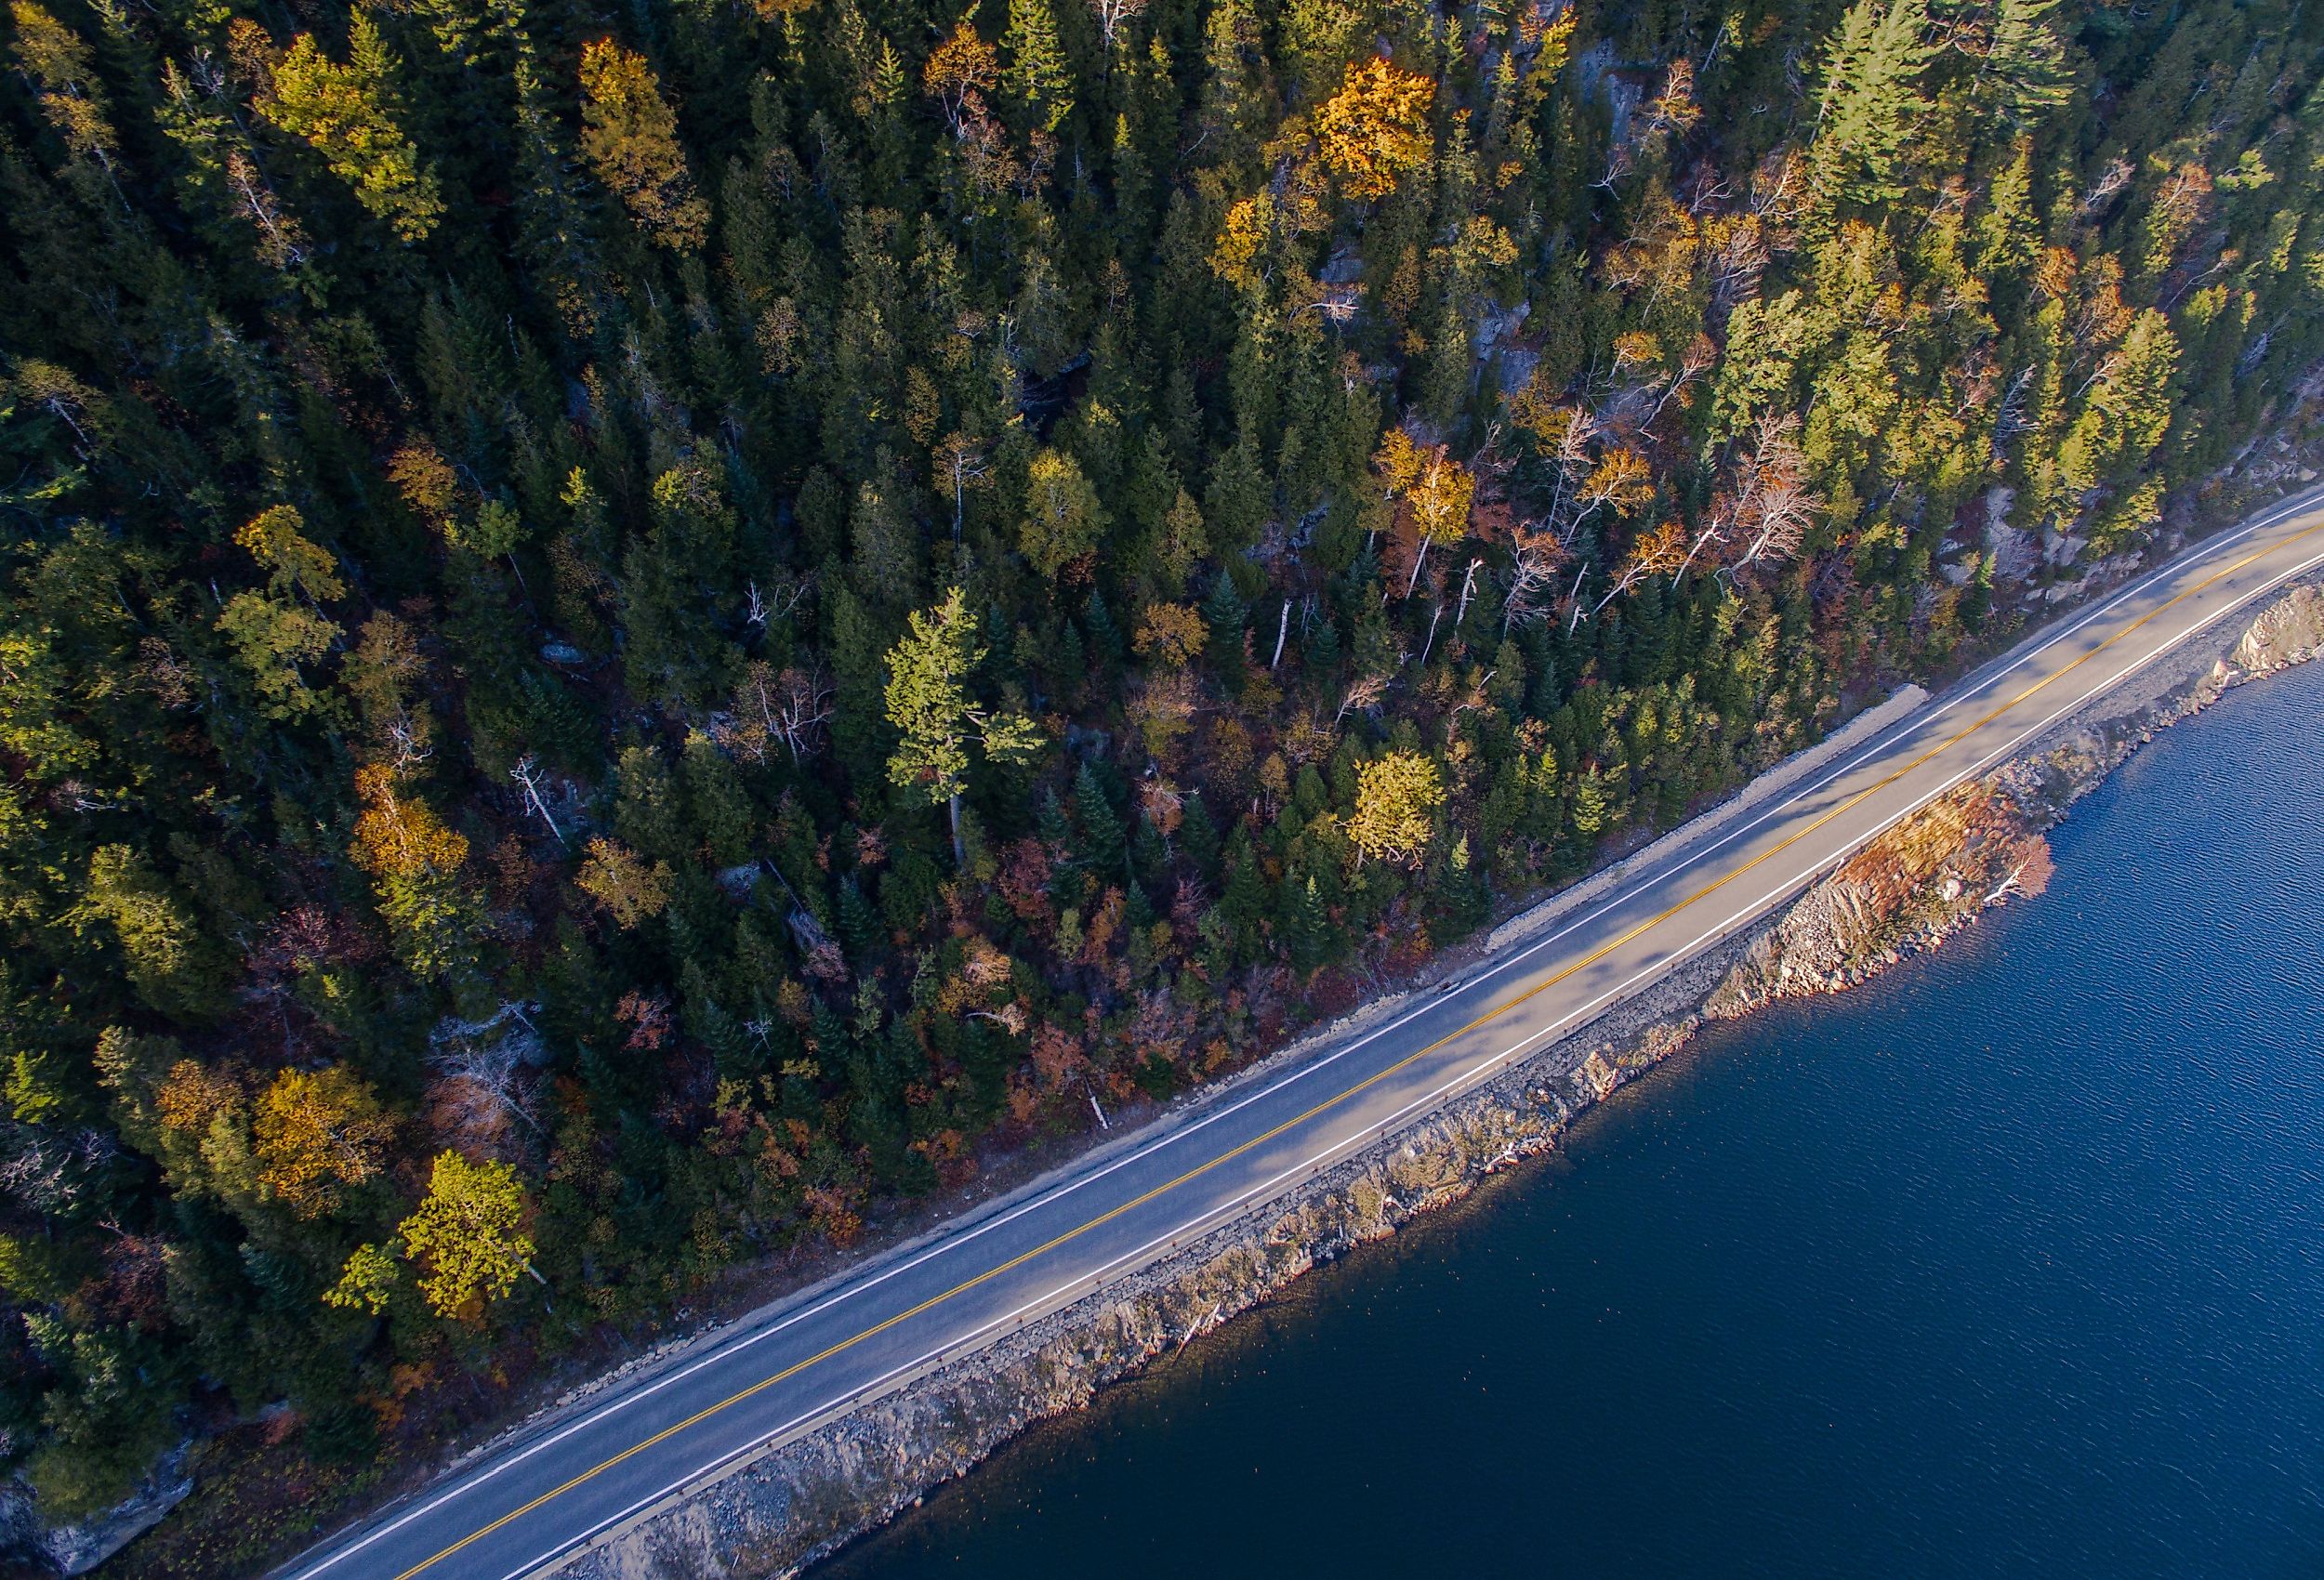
x=537 y=1498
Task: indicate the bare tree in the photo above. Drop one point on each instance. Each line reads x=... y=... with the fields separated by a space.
x=527 y=774
x=1699 y=359
x=49 y=1170
x=1468 y=590
x=1535 y=562
x=789 y=592
x=1113 y=16
x=961 y=461
x=1429 y=646
x=802 y=707
x=1363 y=691
x=1774 y=507
x=790 y=707
x=482 y=1068
x=1714 y=531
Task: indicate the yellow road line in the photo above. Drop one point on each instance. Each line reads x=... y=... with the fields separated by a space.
x=1491 y=1014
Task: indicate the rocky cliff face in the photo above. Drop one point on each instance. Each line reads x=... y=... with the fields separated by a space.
x=78 y=1548
x=1907 y=891
x=2290 y=631
x=1924 y=878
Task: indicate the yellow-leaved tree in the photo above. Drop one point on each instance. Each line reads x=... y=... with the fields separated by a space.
x=1375 y=129
x=1393 y=798
x=350 y=114
x=276 y=633
x=319 y=1131
x=417 y=867
x=466 y=1237
x=620 y=880
x=629 y=137
x=1431 y=490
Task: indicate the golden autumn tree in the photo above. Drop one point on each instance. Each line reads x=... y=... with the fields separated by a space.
x=1432 y=492
x=1393 y=798
x=620 y=880
x=1374 y=130
x=416 y=864
x=958 y=72
x=466 y=1237
x=629 y=137
x=1172 y=634
x=319 y=1131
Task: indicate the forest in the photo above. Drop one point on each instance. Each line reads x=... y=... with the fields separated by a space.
x=634 y=632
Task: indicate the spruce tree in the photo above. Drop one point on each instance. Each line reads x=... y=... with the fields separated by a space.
x=1034 y=78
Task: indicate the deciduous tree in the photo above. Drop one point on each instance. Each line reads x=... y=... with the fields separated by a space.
x=1397 y=795
x=629 y=137
x=467 y=1236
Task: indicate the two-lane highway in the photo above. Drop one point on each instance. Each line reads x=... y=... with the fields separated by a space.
x=538 y=1496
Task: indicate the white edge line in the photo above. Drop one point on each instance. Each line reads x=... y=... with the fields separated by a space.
x=1886 y=739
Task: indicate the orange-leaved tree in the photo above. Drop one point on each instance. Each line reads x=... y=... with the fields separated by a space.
x=1375 y=129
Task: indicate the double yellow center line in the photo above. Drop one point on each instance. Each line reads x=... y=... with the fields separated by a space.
x=1494 y=1013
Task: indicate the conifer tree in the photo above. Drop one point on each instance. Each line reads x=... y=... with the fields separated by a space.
x=1034 y=78
x=929 y=704
x=1869 y=99
x=353 y=116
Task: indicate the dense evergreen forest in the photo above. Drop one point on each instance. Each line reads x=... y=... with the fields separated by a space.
x=632 y=629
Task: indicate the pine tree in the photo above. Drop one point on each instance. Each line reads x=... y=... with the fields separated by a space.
x=929 y=704
x=1225 y=612
x=2027 y=60
x=1244 y=901
x=1102 y=844
x=1033 y=76
x=1869 y=100
x=1240 y=500
x=1307 y=930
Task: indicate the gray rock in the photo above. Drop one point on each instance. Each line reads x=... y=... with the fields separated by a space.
x=79 y=1546
x=2013 y=552
x=2064 y=548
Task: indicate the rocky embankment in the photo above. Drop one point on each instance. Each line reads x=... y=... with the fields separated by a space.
x=1918 y=883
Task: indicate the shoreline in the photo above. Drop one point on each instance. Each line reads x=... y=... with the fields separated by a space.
x=787 y=1505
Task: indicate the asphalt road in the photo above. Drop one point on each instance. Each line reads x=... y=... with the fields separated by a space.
x=538 y=1496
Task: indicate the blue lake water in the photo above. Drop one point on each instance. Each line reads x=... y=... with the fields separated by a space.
x=2012 y=1262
